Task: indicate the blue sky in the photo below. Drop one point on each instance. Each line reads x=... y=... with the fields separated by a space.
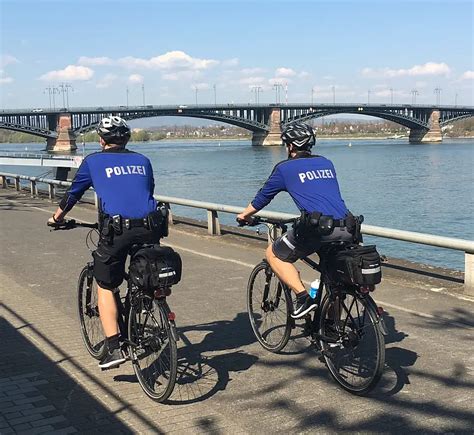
x=353 y=51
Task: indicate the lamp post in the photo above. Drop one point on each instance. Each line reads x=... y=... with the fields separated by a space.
x=437 y=91
x=414 y=93
x=333 y=94
x=257 y=90
x=143 y=93
x=368 y=96
x=391 y=96
x=277 y=87
x=64 y=88
x=196 y=94
x=127 y=92
x=215 y=94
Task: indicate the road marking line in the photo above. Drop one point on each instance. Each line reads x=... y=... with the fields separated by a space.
x=241 y=263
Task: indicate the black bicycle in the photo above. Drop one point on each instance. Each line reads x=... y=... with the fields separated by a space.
x=146 y=324
x=347 y=327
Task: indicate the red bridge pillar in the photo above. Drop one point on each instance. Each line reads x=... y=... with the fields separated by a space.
x=273 y=136
x=66 y=140
x=433 y=134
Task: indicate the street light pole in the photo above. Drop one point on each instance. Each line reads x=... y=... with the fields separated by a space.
x=368 y=96
x=127 y=91
x=196 y=94
x=414 y=93
x=215 y=94
x=143 y=93
x=391 y=96
x=437 y=91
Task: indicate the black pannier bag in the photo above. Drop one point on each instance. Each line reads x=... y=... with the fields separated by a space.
x=155 y=267
x=356 y=265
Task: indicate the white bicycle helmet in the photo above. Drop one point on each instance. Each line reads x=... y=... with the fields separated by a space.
x=113 y=128
x=298 y=134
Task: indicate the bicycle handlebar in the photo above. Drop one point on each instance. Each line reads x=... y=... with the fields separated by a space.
x=70 y=224
x=259 y=220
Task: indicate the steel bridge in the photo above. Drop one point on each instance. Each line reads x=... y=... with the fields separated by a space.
x=264 y=120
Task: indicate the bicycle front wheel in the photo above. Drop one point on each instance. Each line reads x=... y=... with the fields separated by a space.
x=355 y=356
x=88 y=306
x=153 y=347
x=269 y=308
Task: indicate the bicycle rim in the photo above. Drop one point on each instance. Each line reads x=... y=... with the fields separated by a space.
x=356 y=361
x=88 y=308
x=154 y=353
x=269 y=314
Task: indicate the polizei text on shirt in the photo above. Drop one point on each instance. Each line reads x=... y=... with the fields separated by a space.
x=125 y=170
x=316 y=175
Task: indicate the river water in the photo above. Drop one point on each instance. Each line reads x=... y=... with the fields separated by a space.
x=427 y=188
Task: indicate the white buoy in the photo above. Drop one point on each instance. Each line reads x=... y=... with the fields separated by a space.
x=349 y=144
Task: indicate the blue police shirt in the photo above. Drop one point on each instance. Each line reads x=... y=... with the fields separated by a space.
x=311 y=182
x=122 y=179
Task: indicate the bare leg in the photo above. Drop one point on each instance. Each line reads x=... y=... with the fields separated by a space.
x=285 y=271
x=108 y=312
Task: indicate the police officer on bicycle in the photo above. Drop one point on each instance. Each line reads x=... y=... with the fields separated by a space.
x=311 y=182
x=124 y=184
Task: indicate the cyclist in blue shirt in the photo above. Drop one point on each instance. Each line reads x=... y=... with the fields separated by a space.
x=124 y=184
x=311 y=182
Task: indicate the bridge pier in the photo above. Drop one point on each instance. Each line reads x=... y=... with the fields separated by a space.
x=433 y=134
x=66 y=139
x=272 y=137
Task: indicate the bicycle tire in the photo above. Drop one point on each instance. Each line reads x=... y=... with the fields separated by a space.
x=88 y=310
x=349 y=318
x=276 y=307
x=151 y=340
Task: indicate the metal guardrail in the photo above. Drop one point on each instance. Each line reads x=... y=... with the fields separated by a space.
x=213 y=225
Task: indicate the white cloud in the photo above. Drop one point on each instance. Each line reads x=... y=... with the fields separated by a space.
x=279 y=80
x=201 y=86
x=94 y=61
x=328 y=78
x=252 y=71
x=70 y=73
x=468 y=75
x=135 y=78
x=106 y=81
x=231 y=62
x=5 y=79
x=6 y=59
x=252 y=81
x=303 y=74
x=428 y=69
x=285 y=72
x=181 y=75
x=172 y=60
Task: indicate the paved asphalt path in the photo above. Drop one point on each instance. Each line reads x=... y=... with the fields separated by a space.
x=228 y=383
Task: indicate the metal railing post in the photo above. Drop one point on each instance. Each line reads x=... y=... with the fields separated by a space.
x=213 y=225
x=170 y=213
x=33 y=188
x=469 y=273
x=51 y=191
x=17 y=184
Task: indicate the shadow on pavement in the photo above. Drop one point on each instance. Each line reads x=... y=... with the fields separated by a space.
x=36 y=391
x=201 y=376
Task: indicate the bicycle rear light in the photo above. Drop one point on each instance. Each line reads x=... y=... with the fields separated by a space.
x=171 y=316
x=367 y=288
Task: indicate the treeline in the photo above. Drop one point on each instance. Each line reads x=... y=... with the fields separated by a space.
x=464 y=127
x=8 y=136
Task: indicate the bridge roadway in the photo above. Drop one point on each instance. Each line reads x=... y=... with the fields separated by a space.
x=228 y=383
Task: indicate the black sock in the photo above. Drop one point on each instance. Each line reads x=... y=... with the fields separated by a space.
x=301 y=296
x=113 y=342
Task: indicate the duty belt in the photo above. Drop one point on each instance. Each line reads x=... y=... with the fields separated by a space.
x=135 y=223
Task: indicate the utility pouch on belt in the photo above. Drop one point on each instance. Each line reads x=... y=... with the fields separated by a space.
x=117 y=224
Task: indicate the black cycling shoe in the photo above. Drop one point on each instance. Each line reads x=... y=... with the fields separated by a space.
x=303 y=307
x=113 y=358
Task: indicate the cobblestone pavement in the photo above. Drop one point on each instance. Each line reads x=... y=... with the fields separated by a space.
x=227 y=383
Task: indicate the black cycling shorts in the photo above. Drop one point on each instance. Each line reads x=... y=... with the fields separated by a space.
x=109 y=259
x=289 y=249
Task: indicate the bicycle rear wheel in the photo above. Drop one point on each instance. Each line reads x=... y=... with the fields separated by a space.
x=269 y=308
x=153 y=349
x=356 y=360
x=88 y=308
